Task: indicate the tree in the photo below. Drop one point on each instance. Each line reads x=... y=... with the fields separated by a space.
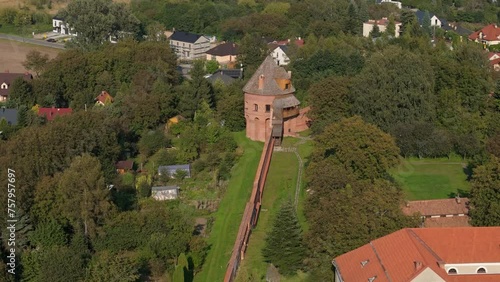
x=375 y=31
x=396 y=86
x=21 y=93
x=48 y=233
x=485 y=194
x=252 y=51
x=360 y=147
x=36 y=61
x=426 y=23
x=330 y=99
x=211 y=66
x=84 y=196
x=96 y=21
x=106 y=266
x=284 y=246
x=391 y=27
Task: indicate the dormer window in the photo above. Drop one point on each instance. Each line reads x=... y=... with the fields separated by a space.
x=481 y=270
x=287 y=86
x=4 y=86
x=452 y=271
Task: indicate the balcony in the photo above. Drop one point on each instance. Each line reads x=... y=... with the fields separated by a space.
x=290 y=112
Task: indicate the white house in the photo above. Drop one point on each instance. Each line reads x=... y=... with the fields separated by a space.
x=189 y=46
x=382 y=26
x=280 y=56
x=397 y=3
x=60 y=26
x=435 y=21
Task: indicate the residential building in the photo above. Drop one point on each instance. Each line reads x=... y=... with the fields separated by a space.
x=6 y=80
x=397 y=3
x=9 y=115
x=234 y=73
x=495 y=64
x=225 y=53
x=488 y=35
x=162 y=193
x=189 y=46
x=440 y=213
x=124 y=166
x=171 y=170
x=455 y=254
x=435 y=21
x=103 y=99
x=271 y=108
x=61 y=27
x=51 y=113
x=280 y=56
x=382 y=27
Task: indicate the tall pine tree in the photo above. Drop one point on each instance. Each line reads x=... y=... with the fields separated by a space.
x=284 y=246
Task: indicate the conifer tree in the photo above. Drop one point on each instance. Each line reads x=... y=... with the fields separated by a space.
x=284 y=246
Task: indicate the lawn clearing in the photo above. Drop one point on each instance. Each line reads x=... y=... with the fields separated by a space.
x=428 y=179
x=230 y=212
x=13 y=54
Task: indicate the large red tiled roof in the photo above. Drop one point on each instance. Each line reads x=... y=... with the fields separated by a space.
x=454 y=221
x=124 y=165
x=51 y=113
x=489 y=33
x=437 y=207
x=404 y=254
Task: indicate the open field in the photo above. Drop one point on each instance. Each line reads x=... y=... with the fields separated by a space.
x=427 y=179
x=13 y=53
x=280 y=186
x=230 y=212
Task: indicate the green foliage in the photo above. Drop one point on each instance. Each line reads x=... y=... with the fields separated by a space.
x=396 y=86
x=110 y=267
x=284 y=247
x=362 y=148
x=36 y=61
x=96 y=20
x=151 y=142
x=48 y=233
x=252 y=52
x=485 y=194
x=375 y=31
x=211 y=66
x=21 y=93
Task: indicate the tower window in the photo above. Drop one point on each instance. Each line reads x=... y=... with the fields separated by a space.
x=255 y=107
x=268 y=108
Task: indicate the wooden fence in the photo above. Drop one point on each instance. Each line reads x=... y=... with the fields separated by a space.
x=251 y=214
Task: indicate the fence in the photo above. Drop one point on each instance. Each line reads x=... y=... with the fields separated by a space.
x=251 y=214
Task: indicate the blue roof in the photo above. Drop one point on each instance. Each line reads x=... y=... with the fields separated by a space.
x=10 y=115
x=185 y=36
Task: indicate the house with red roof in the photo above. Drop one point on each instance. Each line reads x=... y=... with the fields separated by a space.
x=440 y=213
x=51 y=113
x=103 y=99
x=124 y=166
x=6 y=80
x=459 y=254
x=488 y=35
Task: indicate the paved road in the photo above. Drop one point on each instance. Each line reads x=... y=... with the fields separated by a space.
x=31 y=41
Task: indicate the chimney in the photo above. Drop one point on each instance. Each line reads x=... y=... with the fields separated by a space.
x=407 y=204
x=418 y=265
x=261 y=82
x=458 y=199
x=289 y=74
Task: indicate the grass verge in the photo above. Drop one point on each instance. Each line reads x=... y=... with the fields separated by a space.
x=426 y=179
x=230 y=212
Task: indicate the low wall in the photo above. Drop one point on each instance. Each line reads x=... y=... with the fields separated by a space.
x=251 y=214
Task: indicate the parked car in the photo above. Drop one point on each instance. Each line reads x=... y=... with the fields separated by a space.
x=51 y=40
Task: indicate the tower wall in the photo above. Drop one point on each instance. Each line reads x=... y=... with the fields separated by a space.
x=258 y=120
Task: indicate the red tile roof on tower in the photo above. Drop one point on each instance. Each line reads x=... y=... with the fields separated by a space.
x=268 y=80
x=488 y=33
x=51 y=113
x=405 y=254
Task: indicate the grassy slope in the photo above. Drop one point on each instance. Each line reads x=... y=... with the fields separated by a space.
x=280 y=186
x=432 y=178
x=228 y=216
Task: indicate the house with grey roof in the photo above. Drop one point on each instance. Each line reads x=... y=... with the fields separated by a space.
x=162 y=193
x=189 y=46
x=6 y=81
x=172 y=170
x=220 y=77
x=9 y=115
x=435 y=21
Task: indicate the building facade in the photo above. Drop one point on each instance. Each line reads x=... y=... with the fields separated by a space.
x=382 y=27
x=189 y=46
x=61 y=27
x=271 y=107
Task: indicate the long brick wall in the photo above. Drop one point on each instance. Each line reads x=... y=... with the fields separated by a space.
x=251 y=214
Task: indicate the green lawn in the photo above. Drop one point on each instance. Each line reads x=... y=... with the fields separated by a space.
x=280 y=186
x=427 y=179
x=230 y=212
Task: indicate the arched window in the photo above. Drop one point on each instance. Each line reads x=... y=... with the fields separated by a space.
x=481 y=270
x=452 y=271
